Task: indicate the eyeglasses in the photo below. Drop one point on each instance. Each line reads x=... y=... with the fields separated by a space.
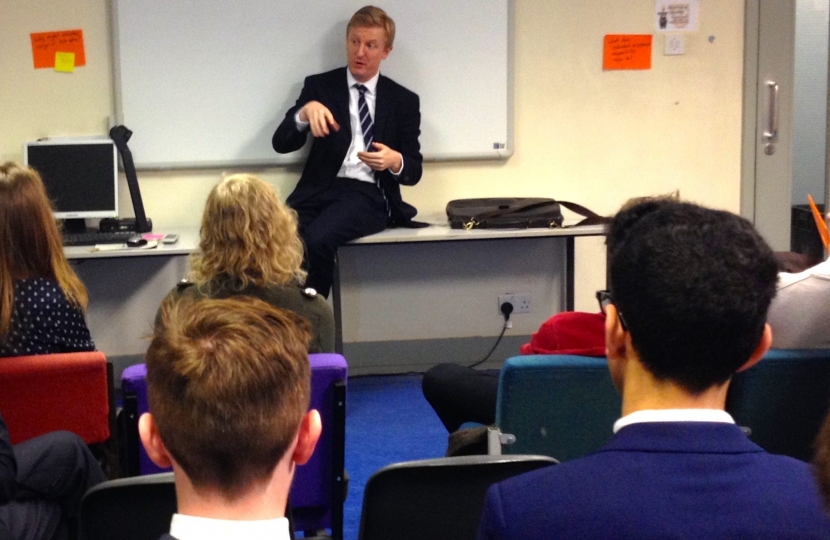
x=605 y=299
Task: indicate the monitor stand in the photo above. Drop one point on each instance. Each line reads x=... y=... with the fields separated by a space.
x=74 y=225
x=120 y=135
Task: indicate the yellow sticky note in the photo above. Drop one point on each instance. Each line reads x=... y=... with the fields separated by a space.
x=65 y=62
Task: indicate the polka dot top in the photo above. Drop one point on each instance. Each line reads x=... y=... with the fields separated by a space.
x=44 y=322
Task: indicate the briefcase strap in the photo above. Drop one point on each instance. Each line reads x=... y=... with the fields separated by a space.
x=591 y=217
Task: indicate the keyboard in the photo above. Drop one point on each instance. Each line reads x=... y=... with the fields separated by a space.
x=93 y=238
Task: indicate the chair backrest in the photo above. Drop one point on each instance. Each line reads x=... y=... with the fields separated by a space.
x=561 y=406
x=138 y=508
x=51 y=392
x=317 y=493
x=134 y=390
x=435 y=498
x=783 y=400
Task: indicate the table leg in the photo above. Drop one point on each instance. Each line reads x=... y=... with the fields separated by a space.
x=337 y=307
x=569 y=273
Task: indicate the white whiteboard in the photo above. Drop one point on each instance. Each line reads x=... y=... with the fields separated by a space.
x=204 y=83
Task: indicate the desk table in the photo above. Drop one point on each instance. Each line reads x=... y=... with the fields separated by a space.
x=442 y=232
x=187 y=244
x=165 y=275
x=125 y=290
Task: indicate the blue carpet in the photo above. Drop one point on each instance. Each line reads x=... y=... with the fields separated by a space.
x=387 y=421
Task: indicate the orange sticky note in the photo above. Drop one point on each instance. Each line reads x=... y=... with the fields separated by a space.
x=46 y=44
x=821 y=225
x=627 y=51
x=65 y=62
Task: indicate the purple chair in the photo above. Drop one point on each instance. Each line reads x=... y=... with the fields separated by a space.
x=318 y=491
x=319 y=487
x=134 y=390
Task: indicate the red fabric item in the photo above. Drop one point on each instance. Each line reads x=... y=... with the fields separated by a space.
x=50 y=392
x=569 y=332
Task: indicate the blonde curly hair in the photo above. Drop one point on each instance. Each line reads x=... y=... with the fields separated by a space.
x=248 y=236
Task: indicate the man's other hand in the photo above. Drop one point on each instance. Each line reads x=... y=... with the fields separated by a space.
x=319 y=118
x=384 y=158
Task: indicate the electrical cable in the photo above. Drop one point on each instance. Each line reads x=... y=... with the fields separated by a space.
x=506 y=309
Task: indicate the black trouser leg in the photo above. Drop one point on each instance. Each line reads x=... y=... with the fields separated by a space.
x=53 y=473
x=347 y=210
x=460 y=394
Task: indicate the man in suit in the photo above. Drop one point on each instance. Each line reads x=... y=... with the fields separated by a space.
x=365 y=128
x=690 y=289
x=229 y=384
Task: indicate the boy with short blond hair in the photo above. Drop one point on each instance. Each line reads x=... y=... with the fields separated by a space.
x=229 y=385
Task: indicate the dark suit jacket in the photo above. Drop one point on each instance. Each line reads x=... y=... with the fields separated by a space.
x=690 y=480
x=397 y=124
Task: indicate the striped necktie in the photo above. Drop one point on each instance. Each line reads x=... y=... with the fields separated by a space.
x=365 y=117
x=368 y=133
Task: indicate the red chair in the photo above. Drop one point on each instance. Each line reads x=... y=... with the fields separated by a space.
x=51 y=392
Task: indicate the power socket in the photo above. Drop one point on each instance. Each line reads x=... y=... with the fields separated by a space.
x=519 y=301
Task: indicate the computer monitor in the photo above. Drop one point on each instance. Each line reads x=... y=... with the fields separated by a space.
x=80 y=175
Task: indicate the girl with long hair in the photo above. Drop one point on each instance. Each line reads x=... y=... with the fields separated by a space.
x=42 y=301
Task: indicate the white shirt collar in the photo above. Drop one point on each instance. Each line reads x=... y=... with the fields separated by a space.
x=370 y=85
x=674 y=415
x=821 y=270
x=198 y=528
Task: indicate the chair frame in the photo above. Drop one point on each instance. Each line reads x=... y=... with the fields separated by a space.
x=106 y=450
x=783 y=414
x=497 y=440
x=466 y=473
x=91 y=498
x=339 y=479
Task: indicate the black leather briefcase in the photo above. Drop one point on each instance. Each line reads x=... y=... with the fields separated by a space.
x=514 y=213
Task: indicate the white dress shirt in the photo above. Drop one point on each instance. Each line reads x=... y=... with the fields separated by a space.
x=198 y=528
x=799 y=314
x=674 y=415
x=352 y=167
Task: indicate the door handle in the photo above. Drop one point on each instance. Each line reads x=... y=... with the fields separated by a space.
x=771 y=133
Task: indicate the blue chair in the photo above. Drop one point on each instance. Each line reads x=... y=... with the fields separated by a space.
x=783 y=400
x=562 y=406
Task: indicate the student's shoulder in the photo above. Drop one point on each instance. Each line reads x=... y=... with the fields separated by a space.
x=536 y=501
x=775 y=465
x=295 y=297
x=184 y=287
x=41 y=295
x=37 y=285
x=550 y=481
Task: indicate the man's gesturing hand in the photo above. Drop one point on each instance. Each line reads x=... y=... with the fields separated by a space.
x=319 y=118
x=384 y=158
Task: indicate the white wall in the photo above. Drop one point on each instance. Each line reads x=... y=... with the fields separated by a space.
x=581 y=134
